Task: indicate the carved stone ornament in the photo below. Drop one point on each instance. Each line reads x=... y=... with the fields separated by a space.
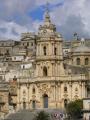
x=33 y=97
x=44 y=88
x=65 y=95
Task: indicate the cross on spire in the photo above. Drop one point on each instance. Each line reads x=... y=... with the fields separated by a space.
x=47 y=7
x=47 y=16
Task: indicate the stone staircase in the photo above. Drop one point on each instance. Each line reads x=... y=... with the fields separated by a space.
x=21 y=115
x=29 y=114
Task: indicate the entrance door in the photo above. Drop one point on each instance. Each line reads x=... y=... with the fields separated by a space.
x=65 y=103
x=24 y=105
x=33 y=104
x=45 y=101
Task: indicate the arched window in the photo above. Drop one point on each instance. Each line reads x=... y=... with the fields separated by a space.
x=55 y=51
x=65 y=89
x=32 y=44
x=27 y=43
x=7 y=52
x=45 y=71
x=86 y=61
x=78 y=61
x=23 y=66
x=44 y=50
x=10 y=100
x=33 y=90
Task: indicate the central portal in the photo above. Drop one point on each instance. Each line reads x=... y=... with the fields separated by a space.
x=24 y=105
x=45 y=101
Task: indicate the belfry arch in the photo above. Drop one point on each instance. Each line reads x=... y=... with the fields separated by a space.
x=44 y=50
x=45 y=72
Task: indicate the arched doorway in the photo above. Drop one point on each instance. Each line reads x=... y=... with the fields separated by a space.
x=33 y=104
x=45 y=101
x=24 y=105
x=65 y=103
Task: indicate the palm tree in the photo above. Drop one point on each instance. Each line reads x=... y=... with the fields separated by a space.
x=42 y=115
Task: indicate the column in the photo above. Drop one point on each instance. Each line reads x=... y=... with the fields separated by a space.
x=18 y=97
x=71 y=90
x=40 y=50
x=28 y=94
x=80 y=89
x=83 y=90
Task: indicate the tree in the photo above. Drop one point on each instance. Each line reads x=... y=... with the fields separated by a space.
x=74 y=108
x=42 y=115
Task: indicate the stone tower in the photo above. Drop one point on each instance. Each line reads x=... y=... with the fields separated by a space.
x=49 y=55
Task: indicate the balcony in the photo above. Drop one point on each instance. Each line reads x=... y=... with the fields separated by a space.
x=49 y=57
x=61 y=78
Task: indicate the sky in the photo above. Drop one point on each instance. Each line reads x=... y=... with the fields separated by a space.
x=69 y=16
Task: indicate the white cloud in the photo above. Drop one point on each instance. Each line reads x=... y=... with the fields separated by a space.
x=13 y=18
x=11 y=30
x=78 y=10
x=36 y=25
x=20 y=6
x=43 y=2
x=72 y=16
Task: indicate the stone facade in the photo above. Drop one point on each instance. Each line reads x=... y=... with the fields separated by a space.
x=43 y=71
x=4 y=107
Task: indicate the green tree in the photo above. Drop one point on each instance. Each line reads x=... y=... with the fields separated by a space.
x=74 y=108
x=42 y=115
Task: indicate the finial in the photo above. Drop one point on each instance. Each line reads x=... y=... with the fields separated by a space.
x=47 y=16
x=76 y=36
x=47 y=7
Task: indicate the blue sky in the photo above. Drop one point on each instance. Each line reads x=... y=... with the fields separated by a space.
x=18 y=16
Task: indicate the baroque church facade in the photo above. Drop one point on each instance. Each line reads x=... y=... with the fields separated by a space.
x=52 y=86
x=51 y=78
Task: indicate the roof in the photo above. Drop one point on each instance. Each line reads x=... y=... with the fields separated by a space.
x=76 y=69
x=82 y=47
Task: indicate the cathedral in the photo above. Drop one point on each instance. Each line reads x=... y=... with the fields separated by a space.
x=43 y=71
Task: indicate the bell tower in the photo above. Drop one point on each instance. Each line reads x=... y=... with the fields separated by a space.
x=49 y=55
